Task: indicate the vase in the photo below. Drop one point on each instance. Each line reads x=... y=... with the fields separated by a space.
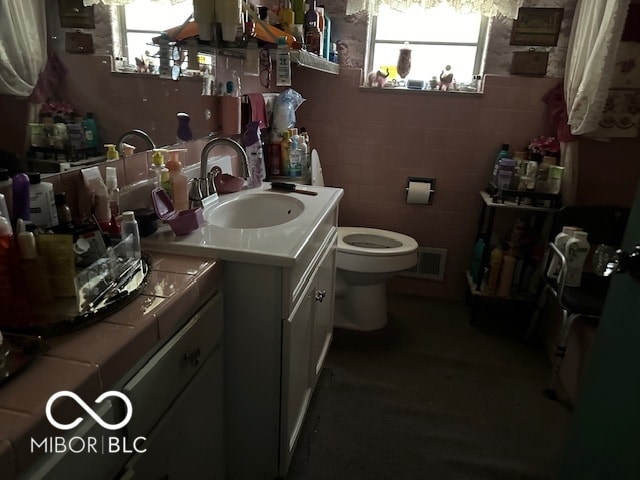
x=404 y=62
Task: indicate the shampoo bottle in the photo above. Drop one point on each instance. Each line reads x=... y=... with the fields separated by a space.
x=42 y=202
x=495 y=264
x=253 y=147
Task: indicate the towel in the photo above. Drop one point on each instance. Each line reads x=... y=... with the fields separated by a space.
x=258 y=109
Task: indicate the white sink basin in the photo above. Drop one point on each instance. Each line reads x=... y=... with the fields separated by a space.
x=255 y=210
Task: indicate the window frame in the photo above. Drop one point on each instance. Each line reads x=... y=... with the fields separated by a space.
x=480 y=45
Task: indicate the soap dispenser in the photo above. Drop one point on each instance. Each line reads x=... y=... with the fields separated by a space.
x=161 y=172
x=179 y=181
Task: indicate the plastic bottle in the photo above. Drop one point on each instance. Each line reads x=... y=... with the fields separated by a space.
x=476 y=262
x=160 y=171
x=112 y=153
x=283 y=64
x=561 y=242
x=576 y=251
x=495 y=264
x=42 y=202
x=285 y=152
x=15 y=305
x=111 y=181
x=503 y=153
x=20 y=193
x=129 y=226
x=326 y=34
x=287 y=18
x=179 y=182
x=506 y=275
x=255 y=157
x=65 y=219
x=295 y=160
x=34 y=266
x=6 y=188
x=312 y=36
x=90 y=130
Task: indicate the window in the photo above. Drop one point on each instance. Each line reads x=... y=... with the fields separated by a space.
x=142 y=20
x=437 y=37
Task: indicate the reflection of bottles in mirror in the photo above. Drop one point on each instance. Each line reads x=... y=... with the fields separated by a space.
x=404 y=61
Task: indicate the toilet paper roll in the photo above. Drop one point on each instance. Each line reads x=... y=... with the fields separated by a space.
x=419 y=192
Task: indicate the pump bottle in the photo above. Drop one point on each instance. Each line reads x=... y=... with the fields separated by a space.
x=179 y=182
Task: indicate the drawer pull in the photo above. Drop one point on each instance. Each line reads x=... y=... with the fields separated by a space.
x=320 y=294
x=193 y=357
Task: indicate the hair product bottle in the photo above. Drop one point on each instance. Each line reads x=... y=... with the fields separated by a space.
x=576 y=251
x=42 y=202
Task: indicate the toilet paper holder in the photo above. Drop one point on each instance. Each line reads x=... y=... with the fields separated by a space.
x=417 y=192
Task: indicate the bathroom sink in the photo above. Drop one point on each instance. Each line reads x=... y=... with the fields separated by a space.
x=259 y=210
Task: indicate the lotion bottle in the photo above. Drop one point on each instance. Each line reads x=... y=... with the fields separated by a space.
x=42 y=202
x=560 y=241
x=179 y=182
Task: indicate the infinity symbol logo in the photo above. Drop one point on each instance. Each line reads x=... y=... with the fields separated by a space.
x=86 y=408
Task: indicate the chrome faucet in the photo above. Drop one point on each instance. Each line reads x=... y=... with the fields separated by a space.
x=134 y=133
x=208 y=187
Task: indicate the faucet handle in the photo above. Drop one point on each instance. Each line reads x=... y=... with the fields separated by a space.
x=195 y=193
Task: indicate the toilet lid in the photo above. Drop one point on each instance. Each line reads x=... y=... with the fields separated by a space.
x=374 y=241
x=316 y=169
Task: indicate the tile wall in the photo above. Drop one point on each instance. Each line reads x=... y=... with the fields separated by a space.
x=370 y=142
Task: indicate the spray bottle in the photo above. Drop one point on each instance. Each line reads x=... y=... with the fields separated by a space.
x=253 y=147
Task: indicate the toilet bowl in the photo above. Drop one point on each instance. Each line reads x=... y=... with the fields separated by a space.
x=365 y=259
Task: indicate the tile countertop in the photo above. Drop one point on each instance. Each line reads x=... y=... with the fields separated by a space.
x=94 y=359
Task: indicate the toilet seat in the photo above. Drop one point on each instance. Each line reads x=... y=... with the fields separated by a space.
x=374 y=242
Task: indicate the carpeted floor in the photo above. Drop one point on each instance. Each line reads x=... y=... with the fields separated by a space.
x=431 y=397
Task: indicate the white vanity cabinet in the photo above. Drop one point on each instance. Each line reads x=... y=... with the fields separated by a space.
x=178 y=403
x=278 y=328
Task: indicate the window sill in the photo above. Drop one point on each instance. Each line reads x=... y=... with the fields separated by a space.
x=156 y=75
x=412 y=91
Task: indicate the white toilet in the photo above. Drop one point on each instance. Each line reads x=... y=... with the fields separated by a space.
x=366 y=258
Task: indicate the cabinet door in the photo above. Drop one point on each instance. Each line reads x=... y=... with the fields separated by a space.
x=323 y=294
x=188 y=441
x=296 y=385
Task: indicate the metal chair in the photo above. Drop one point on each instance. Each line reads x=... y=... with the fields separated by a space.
x=605 y=225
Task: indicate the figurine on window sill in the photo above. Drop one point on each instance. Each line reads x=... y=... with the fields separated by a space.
x=377 y=78
x=446 y=79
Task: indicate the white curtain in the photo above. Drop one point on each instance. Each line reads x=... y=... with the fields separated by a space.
x=488 y=8
x=23 y=45
x=593 y=44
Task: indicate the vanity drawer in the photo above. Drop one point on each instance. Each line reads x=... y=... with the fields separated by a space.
x=155 y=386
x=296 y=278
